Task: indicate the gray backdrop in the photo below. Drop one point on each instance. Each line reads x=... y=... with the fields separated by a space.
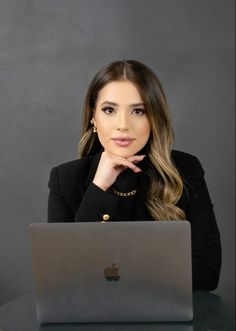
x=49 y=52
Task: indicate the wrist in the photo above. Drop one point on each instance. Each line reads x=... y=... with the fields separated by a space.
x=100 y=185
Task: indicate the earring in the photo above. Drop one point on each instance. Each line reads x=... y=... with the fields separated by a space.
x=94 y=127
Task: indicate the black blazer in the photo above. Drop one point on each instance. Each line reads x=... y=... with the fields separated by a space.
x=73 y=198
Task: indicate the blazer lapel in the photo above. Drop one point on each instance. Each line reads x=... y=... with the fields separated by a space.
x=78 y=189
x=92 y=170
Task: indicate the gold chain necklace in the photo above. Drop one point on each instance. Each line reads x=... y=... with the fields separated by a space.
x=124 y=194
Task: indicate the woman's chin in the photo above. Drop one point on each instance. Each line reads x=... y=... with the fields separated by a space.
x=124 y=153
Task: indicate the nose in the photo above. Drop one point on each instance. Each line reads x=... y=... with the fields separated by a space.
x=122 y=122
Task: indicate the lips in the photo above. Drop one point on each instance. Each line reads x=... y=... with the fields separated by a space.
x=123 y=141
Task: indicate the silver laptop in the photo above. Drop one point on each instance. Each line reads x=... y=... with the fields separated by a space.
x=112 y=272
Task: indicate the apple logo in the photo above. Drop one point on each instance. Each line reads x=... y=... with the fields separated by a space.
x=112 y=273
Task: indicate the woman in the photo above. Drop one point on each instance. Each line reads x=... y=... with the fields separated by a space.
x=128 y=170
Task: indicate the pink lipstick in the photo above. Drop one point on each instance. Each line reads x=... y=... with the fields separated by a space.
x=123 y=141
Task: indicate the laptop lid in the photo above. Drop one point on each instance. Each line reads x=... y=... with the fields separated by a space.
x=112 y=272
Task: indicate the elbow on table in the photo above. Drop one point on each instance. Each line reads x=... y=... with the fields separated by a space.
x=207 y=286
x=212 y=284
x=206 y=282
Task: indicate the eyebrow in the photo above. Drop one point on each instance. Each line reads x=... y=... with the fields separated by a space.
x=116 y=104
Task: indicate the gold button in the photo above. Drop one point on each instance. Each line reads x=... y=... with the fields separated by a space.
x=105 y=217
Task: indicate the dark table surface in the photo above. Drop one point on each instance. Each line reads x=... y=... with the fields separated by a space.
x=211 y=313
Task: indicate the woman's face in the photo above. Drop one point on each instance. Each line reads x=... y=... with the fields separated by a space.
x=122 y=125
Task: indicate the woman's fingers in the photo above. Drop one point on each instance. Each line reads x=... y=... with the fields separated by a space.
x=136 y=158
x=124 y=164
x=129 y=162
x=133 y=160
x=110 y=166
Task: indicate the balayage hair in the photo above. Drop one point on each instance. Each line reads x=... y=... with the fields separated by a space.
x=166 y=185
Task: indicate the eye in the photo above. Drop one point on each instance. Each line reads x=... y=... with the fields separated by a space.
x=138 y=111
x=108 y=110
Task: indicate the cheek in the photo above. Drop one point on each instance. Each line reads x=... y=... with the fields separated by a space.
x=104 y=129
x=144 y=130
x=103 y=132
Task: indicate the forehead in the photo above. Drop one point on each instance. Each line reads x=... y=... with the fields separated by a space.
x=121 y=92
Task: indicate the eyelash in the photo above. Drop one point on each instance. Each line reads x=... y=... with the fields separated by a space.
x=106 y=108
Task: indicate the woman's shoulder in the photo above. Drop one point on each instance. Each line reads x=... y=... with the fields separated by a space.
x=73 y=173
x=187 y=164
x=75 y=170
x=81 y=163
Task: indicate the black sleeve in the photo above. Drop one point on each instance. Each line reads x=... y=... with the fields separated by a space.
x=93 y=204
x=206 y=245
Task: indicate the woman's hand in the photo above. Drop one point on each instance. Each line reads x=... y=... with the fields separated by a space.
x=110 y=166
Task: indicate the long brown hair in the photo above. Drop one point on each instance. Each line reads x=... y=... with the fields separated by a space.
x=166 y=186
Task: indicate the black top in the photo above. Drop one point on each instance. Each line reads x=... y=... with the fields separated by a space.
x=73 y=197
